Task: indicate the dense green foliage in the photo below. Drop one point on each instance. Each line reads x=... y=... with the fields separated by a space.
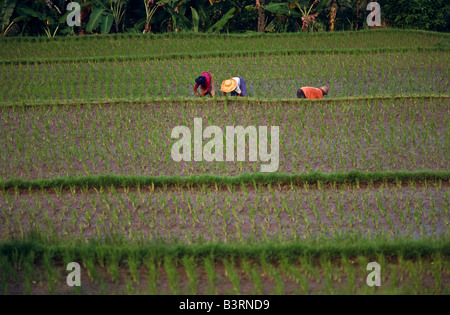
x=417 y=14
x=48 y=18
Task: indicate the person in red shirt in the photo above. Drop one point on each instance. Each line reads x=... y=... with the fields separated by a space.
x=206 y=83
x=312 y=92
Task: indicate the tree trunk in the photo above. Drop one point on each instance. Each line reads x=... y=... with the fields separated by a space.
x=147 y=28
x=83 y=16
x=261 y=16
x=357 y=14
x=333 y=11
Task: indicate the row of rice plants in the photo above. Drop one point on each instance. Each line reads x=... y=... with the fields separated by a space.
x=271 y=76
x=106 y=270
x=135 y=139
x=236 y=214
x=95 y=46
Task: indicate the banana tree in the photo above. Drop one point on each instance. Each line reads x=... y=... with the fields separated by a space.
x=6 y=11
x=178 y=19
x=51 y=25
x=334 y=6
x=299 y=10
x=212 y=17
x=219 y=25
x=105 y=13
x=118 y=7
x=150 y=10
x=307 y=16
x=262 y=20
x=174 y=14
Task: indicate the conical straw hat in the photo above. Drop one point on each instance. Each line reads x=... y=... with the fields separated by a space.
x=324 y=89
x=228 y=85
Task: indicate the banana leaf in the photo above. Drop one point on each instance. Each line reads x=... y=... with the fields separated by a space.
x=20 y=18
x=282 y=9
x=280 y=19
x=182 y=10
x=107 y=21
x=195 y=20
x=140 y=24
x=205 y=22
x=321 y=5
x=101 y=4
x=178 y=20
x=6 y=12
x=305 y=4
x=95 y=19
x=222 y=22
x=26 y=11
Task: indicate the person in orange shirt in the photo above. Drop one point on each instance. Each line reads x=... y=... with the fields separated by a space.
x=312 y=92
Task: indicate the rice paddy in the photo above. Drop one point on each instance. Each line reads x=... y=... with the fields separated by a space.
x=86 y=173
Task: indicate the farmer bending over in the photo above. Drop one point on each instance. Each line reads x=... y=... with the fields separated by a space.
x=312 y=92
x=236 y=86
x=206 y=83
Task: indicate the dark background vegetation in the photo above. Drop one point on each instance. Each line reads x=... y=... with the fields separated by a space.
x=48 y=17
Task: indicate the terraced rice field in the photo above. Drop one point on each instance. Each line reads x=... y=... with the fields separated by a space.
x=87 y=176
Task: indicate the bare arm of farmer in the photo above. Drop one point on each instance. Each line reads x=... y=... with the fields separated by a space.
x=207 y=89
x=195 y=89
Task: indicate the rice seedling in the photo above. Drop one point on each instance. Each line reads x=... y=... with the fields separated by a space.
x=209 y=266
x=172 y=274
